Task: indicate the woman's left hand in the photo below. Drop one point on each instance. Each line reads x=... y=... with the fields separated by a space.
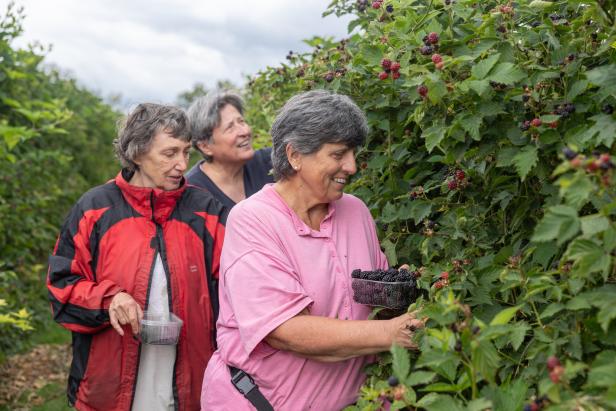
x=403 y=329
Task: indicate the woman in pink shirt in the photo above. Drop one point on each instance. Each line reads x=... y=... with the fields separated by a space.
x=290 y=336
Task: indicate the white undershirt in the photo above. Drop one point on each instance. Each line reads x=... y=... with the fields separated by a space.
x=154 y=391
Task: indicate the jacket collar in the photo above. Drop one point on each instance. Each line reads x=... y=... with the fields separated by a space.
x=152 y=203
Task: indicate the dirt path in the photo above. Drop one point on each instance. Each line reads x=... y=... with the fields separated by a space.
x=25 y=374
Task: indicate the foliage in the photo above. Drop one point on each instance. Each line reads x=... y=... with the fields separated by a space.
x=55 y=142
x=465 y=173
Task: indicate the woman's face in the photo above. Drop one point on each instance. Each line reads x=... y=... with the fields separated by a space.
x=324 y=174
x=164 y=164
x=231 y=141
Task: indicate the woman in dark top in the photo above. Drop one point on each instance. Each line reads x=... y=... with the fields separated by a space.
x=231 y=170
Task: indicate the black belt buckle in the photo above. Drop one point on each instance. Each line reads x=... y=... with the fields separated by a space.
x=243 y=382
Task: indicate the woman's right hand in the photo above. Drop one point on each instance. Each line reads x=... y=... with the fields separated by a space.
x=402 y=329
x=125 y=310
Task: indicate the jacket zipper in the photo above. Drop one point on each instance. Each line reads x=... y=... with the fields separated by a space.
x=160 y=249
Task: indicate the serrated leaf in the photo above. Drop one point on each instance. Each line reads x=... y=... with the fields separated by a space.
x=434 y=135
x=577 y=190
x=479 y=86
x=525 y=160
x=518 y=334
x=481 y=69
x=604 y=129
x=552 y=309
x=559 y=223
x=505 y=315
x=576 y=89
x=604 y=77
x=593 y=224
x=420 y=378
x=486 y=359
x=389 y=249
x=588 y=257
x=506 y=73
x=471 y=124
x=479 y=404
x=401 y=362
x=419 y=210
x=505 y=156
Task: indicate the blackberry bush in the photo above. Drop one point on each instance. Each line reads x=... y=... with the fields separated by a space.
x=495 y=167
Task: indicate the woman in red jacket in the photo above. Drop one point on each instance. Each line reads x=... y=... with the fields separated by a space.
x=143 y=241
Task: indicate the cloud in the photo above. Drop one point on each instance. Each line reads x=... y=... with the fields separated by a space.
x=153 y=50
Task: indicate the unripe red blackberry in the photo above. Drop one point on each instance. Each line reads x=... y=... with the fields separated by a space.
x=553 y=362
x=422 y=90
x=395 y=66
x=383 y=75
x=536 y=122
x=460 y=175
x=376 y=5
x=452 y=184
x=386 y=63
x=436 y=58
x=433 y=38
x=395 y=75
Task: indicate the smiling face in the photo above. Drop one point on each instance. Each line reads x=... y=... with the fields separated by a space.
x=231 y=141
x=164 y=164
x=324 y=174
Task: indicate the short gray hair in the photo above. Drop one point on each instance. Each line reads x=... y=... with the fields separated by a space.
x=311 y=119
x=204 y=115
x=139 y=128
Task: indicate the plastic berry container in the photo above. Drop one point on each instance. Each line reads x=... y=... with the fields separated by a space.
x=160 y=328
x=392 y=295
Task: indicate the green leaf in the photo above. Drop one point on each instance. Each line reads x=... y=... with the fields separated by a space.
x=479 y=86
x=440 y=402
x=506 y=73
x=552 y=309
x=604 y=128
x=588 y=257
x=481 y=69
x=593 y=224
x=471 y=124
x=434 y=135
x=486 y=359
x=420 y=378
x=604 y=77
x=525 y=160
x=479 y=404
x=418 y=210
x=576 y=191
x=390 y=251
x=540 y=4
x=400 y=362
x=505 y=315
x=576 y=89
x=559 y=223
x=518 y=334
x=436 y=91
x=603 y=370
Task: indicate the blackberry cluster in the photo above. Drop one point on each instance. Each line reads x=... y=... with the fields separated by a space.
x=385 y=288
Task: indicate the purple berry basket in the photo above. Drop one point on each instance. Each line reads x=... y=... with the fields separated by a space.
x=392 y=295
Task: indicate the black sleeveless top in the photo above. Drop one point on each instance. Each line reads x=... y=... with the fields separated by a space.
x=257 y=173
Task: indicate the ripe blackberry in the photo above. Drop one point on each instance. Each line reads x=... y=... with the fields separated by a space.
x=569 y=154
x=356 y=273
x=393 y=381
x=426 y=50
x=607 y=109
x=535 y=24
x=329 y=77
x=389 y=8
x=525 y=98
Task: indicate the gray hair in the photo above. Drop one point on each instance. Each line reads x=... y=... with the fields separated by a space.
x=204 y=115
x=311 y=119
x=139 y=128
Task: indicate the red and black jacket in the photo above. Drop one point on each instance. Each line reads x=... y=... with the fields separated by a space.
x=108 y=244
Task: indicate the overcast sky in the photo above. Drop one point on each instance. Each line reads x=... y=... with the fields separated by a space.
x=153 y=50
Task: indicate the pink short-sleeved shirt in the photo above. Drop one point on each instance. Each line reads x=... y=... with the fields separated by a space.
x=273 y=266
